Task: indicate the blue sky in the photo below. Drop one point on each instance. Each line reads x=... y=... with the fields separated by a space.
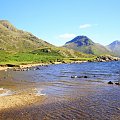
x=58 y=21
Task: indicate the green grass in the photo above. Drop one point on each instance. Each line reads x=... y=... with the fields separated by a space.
x=43 y=55
x=24 y=58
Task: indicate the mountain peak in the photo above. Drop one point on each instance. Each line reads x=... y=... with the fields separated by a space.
x=81 y=41
x=1 y=21
x=114 y=43
x=86 y=45
x=8 y=25
x=115 y=47
x=117 y=41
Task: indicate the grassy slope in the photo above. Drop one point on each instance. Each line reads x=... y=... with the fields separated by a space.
x=43 y=55
x=21 y=58
x=12 y=39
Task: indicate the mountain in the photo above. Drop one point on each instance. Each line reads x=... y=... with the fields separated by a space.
x=115 y=47
x=13 y=39
x=86 y=45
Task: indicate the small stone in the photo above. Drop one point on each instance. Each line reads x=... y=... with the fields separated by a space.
x=117 y=83
x=110 y=82
x=85 y=76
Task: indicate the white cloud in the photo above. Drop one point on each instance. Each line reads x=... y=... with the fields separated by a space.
x=85 y=26
x=67 y=36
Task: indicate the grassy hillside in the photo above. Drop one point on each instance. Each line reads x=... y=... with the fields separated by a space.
x=43 y=55
x=25 y=58
x=12 y=39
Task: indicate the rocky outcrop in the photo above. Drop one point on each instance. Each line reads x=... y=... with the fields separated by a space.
x=106 y=59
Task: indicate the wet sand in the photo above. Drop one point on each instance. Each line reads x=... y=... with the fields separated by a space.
x=16 y=94
x=19 y=100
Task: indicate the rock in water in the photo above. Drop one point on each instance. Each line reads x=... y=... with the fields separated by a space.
x=117 y=83
x=110 y=82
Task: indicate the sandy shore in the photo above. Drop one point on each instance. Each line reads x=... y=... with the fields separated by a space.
x=28 y=65
x=22 y=66
x=20 y=100
x=4 y=68
x=36 y=64
x=32 y=65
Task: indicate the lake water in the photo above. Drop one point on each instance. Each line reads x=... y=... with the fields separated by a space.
x=96 y=72
x=69 y=98
x=56 y=79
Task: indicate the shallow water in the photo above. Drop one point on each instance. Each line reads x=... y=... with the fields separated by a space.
x=103 y=71
x=56 y=79
x=69 y=98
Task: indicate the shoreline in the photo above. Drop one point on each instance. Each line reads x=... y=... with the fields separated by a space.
x=107 y=58
x=36 y=64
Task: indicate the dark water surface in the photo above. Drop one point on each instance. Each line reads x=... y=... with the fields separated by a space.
x=100 y=71
x=69 y=98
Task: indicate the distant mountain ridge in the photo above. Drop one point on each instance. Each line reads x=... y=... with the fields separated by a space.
x=115 y=47
x=86 y=45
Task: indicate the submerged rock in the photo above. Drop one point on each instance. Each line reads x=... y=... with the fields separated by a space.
x=85 y=76
x=37 y=68
x=110 y=82
x=117 y=83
